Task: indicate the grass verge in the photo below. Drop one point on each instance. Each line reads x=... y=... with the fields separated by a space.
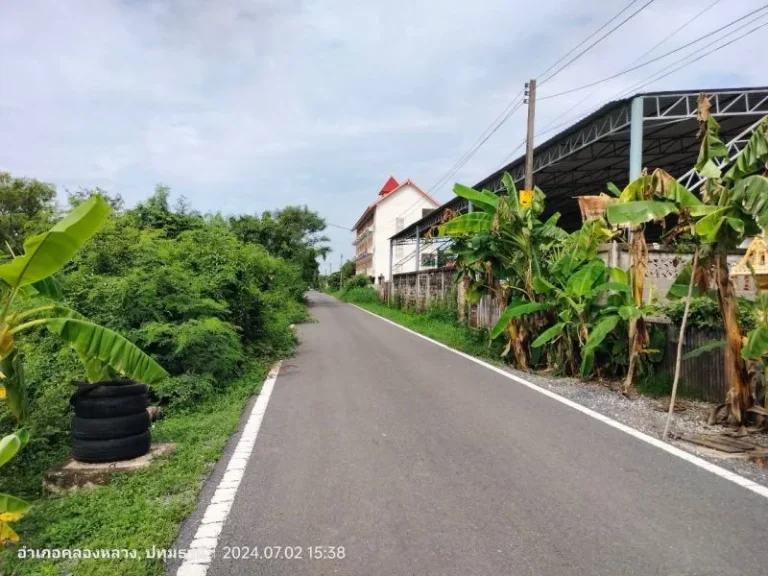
x=438 y=325
x=136 y=511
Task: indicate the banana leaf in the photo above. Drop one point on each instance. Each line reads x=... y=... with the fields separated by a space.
x=581 y=283
x=704 y=348
x=599 y=333
x=9 y=446
x=639 y=212
x=514 y=311
x=467 y=224
x=90 y=340
x=47 y=253
x=757 y=344
x=752 y=193
x=15 y=390
x=753 y=156
x=549 y=334
x=485 y=201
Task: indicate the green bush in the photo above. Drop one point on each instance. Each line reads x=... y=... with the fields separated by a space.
x=197 y=346
x=199 y=297
x=367 y=295
x=705 y=313
x=359 y=281
x=184 y=391
x=444 y=310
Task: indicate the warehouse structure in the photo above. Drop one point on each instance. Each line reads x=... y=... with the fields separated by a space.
x=613 y=144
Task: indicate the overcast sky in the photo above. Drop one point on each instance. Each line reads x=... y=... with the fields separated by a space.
x=244 y=106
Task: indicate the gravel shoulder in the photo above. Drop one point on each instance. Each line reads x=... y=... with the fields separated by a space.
x=649 y=415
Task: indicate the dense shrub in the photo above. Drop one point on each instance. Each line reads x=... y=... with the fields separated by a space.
x=358 y=281
x=361 y=295
x=705 y=313
x=194 y=294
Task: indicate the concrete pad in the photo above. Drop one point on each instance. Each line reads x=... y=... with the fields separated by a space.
x=73 y=475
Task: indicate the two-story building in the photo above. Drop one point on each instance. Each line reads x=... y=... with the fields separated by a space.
x=397 y=206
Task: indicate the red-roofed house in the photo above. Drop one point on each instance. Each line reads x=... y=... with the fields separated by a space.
x=397 y=206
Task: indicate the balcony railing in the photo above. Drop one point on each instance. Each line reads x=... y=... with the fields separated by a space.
x=363 y=236
x=363 y=255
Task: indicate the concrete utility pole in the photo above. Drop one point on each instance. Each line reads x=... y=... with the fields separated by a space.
x=530 y=92
x=341 y=270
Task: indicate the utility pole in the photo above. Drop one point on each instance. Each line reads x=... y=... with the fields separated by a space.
x=530 y=92
x=341 y=270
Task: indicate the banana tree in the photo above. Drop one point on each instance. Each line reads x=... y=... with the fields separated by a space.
x=27 y=290
x=738 y=202
x=756 y=348
x=515 y=243
x=11 y=508
x=733 y=206
x=647 y=199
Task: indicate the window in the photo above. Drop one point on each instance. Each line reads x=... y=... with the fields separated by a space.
x=429 y=260
x=399 y=223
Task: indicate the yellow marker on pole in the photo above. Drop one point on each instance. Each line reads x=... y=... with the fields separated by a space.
x=525 y=198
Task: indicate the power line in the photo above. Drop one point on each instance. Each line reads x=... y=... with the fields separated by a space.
x=596 y=42
x=651 y=61
x=705 y=54
x=510 y=109
x=514 y=105
x=666 y=71
x=475 y=148
x=638 y=59
x=580 y=44
x=337 y=226
x=677 y=31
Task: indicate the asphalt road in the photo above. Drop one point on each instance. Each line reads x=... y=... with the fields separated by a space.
x=419 y=462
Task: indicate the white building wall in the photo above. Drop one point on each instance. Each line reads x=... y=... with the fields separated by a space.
x=406 y=203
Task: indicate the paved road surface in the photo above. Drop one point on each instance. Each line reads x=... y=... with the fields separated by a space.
x=420 y=462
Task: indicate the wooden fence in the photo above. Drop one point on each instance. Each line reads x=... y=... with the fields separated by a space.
x=704 y=374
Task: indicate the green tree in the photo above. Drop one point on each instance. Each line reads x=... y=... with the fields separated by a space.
x=733 y=206
x=292 y=233
x=26 y=208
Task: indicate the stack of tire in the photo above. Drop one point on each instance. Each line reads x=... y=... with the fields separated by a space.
x=111 y=422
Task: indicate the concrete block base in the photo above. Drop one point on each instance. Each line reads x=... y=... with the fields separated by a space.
x=73 y=475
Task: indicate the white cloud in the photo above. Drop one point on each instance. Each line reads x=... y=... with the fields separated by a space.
x=249 y=105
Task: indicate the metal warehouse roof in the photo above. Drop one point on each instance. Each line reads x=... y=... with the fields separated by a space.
x=585 y=156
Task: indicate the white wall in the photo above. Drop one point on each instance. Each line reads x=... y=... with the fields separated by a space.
x=406 y=203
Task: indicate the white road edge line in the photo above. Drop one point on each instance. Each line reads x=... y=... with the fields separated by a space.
x=201 y=550
x=687 y=456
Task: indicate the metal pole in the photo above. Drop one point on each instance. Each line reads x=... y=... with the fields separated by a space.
x=531 y=90
x=391 y=268
x=635 y=147
x=636 y=139
x=418 y=249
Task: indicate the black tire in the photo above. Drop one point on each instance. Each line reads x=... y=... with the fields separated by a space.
x=111 y=389
x=111 y=450
x=110 y=407
x=110 y=428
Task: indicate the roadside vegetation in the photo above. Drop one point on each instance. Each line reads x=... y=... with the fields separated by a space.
x=565 y=311
x=439 y=321
x=208 y=298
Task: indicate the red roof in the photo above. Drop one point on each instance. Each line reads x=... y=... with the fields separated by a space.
x=385 y=193
x=389 y=186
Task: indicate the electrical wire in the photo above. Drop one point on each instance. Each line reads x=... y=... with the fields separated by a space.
x=512 y=107
x=596 y=42
x=635 y=61
x=658 y=75
x=706 y=36
x=580 y=44
x=476 y=147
